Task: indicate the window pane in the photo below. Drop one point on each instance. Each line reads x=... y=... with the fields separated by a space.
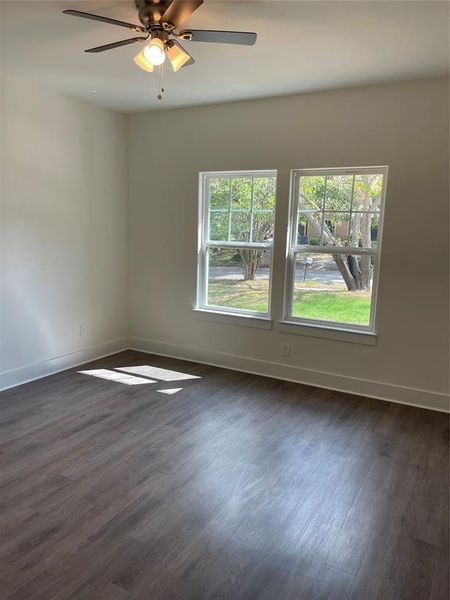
x=367 y=193
x=364 y=230
x=219 y=193
x=264 y=193
x=336 y=229
x=309 y=228
x=241 y=193
x=263 y=223
x=312 y=192
x=237 y=220
x=339 y=192
x=240 y=226
x=218 y=225
x=239 y=279
x=337 y=289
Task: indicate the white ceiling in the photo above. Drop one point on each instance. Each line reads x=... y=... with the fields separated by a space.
x=302 y=46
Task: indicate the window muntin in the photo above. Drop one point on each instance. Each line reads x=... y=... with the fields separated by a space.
x=237 y=219
x=339 y=209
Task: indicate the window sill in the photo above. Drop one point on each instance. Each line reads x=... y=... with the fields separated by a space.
x=329 y=333
x=217 y=316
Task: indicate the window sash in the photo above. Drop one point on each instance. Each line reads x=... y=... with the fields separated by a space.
x=296 y=176
x=202 y=278
x=236 y=244
x=342 y=325
x=293 y=248
x=251 y=211
x=334 y=250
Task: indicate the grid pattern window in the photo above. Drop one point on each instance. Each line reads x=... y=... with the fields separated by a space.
x=336 y=219
x=236 y=225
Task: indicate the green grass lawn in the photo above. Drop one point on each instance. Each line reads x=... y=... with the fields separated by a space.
x=342 y=307
x=336 y=305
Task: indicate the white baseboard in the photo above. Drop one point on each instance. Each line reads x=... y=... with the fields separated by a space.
x=322 y=379
x=37 y=370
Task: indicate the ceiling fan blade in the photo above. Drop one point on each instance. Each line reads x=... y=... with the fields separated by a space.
x=179 y=11
x=85 y=15
x=243 y=38
x=178 y=56
x=116 y=44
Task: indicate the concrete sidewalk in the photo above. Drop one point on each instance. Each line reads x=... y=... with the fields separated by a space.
x=314 y=273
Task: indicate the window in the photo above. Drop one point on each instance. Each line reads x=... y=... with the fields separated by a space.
x=333 y=252
x=236 y=228
x=334 y=246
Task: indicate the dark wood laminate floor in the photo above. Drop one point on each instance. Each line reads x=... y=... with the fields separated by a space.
x=236 y=487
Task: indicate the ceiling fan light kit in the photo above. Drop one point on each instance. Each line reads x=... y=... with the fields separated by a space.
x=177 y=56
x=160 y=19
x=142 y=62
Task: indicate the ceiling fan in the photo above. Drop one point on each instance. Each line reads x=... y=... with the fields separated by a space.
x=160 y=19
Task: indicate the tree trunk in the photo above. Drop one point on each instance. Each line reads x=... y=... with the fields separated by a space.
x=355 y=270
x=345 y=270
x=339 y=259
x=251 y=260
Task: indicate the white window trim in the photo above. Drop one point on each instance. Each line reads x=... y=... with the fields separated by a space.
x=292 y=249
x=218 y=316
x=340 y=334
x=204 y=244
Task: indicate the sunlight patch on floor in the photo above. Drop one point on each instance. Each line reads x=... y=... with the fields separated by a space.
x=157 y=373
x=118 y=377
x=170 y=391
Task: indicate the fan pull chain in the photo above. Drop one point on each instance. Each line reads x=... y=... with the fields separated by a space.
x=161 y=82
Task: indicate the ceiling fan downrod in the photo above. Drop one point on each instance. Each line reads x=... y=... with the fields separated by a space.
x=151 y=12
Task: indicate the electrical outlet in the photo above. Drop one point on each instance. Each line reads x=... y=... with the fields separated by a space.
x=286 y=350
x=83 y=329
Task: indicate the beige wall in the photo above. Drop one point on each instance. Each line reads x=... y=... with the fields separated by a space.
x=402 y=125
x=63 y=226
x=63 y=230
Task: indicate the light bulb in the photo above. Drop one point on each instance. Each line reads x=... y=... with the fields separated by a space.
x=155 y=52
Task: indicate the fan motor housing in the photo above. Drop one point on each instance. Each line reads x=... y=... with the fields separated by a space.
x=151 y=11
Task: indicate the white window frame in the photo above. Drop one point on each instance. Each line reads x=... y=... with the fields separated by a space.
x=204 y=244
x=293 y=249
